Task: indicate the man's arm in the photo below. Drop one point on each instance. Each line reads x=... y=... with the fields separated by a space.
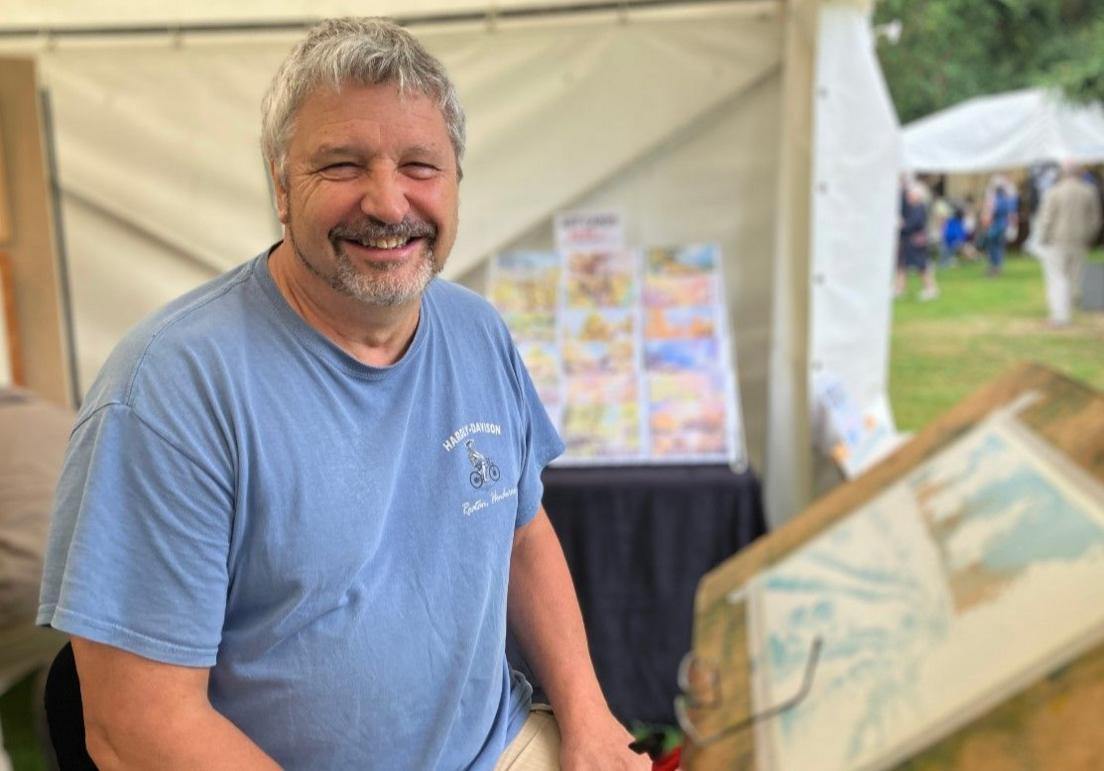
x=140 y=713
x=1094 y=219
x=544 y=616
x=1046 y=218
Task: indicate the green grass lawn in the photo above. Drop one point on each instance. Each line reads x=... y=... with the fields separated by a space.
x=943 y=350
x=19 y=735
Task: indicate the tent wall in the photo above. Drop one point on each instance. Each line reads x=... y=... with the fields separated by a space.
x=671 y=114
x=854 y=209
x=696 y=120
x=836 y=238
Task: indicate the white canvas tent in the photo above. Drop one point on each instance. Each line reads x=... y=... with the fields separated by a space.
x=763 y=125
x=1005 y=131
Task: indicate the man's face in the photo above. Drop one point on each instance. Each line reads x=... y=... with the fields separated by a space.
x=370 y=194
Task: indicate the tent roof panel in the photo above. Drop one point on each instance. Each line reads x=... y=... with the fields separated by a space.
x=1005 y=131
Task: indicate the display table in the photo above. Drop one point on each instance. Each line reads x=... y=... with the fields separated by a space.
x=638 y=540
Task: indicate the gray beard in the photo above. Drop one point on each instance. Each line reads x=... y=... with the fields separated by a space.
x=384 y=286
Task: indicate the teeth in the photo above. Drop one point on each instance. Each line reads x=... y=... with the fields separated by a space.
x=384 y=243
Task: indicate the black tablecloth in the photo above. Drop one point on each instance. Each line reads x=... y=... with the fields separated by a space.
x=637 y=541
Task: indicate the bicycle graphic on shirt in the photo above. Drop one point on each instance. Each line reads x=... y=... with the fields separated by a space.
x=483 y=468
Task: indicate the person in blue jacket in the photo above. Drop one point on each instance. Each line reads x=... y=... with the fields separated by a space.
x=954 y=238
x=1003 y=208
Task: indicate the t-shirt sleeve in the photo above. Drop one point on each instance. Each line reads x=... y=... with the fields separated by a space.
x=139 y=546
x=542 y=444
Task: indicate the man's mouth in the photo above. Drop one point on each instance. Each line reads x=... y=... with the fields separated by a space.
x=382 y=238
x=391 y=242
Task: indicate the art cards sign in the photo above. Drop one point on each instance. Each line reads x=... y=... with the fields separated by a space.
x=590 y=231
x=628 y=349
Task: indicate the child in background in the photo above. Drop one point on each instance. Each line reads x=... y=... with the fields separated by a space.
x=954 y=238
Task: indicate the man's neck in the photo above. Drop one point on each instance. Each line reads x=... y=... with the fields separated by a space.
x=372 y=334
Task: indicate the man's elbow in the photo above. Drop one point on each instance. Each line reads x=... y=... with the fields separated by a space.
x=106 y=742
x=139 y=712
x=143 y=736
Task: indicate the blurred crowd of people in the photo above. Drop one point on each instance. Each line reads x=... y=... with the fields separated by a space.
x=1054 y=213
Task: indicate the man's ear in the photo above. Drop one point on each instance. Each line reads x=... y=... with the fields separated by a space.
x=280 y=189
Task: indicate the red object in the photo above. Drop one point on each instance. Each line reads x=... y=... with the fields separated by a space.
x=669 y=762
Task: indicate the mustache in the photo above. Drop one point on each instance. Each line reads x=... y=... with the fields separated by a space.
x=368 y=230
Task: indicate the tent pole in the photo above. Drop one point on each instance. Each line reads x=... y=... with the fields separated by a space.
x=65 y=298
x=788 y=469
x=292 y=25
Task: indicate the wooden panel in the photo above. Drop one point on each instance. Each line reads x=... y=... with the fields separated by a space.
x=35 y=275
x=1051 y=725
x=12 y=366
x=5 y=208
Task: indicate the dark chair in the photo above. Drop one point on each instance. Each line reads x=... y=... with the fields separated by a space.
x=65 y=715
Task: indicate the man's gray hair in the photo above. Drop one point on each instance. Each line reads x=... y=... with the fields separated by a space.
x=362 y=50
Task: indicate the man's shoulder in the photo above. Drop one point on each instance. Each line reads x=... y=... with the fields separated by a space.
x=1073 y=186
x=443 y=290
x=469 y=322
x=176 y=334
x=1086 y=188
x=461 y=303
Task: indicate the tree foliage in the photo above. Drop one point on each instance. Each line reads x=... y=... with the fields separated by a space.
x=1079 y=70
x=951 y=50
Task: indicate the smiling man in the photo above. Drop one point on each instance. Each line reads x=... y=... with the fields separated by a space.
x=271 y=545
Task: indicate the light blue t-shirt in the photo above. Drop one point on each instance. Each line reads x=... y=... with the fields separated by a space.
x=331 y=539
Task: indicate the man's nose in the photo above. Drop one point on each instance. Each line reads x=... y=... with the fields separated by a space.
x=384 y=197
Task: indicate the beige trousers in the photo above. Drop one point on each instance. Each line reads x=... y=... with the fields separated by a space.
x=537 y=745
x=1063 y=267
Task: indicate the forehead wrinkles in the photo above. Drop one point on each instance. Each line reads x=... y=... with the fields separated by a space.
x=359 y=105
x=331 y=131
